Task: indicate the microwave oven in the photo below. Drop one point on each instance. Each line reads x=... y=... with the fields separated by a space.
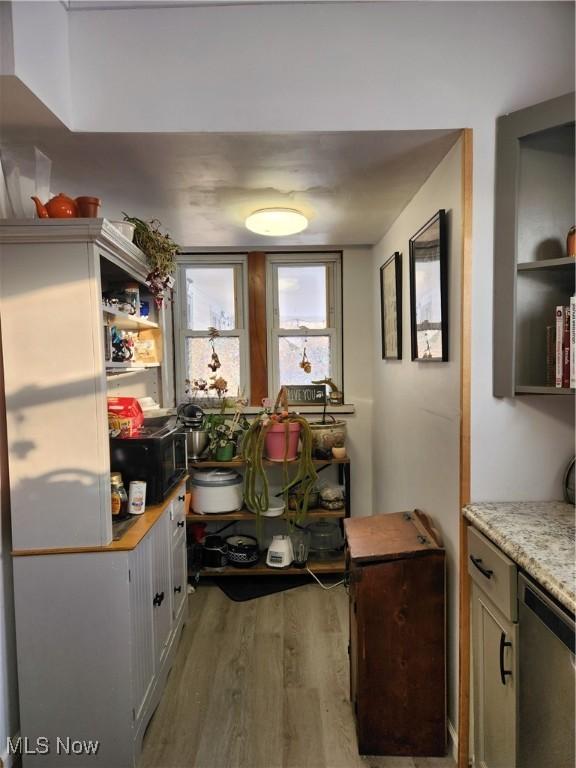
x=157 y=456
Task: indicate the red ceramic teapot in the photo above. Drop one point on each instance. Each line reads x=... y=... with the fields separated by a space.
x=60 y=207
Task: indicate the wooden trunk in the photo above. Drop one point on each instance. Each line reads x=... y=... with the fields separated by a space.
x=397 y=634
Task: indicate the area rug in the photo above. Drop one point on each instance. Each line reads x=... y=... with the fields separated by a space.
x=241 y=588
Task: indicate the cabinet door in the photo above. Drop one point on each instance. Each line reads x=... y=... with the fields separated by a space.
x=142 y=632
x=161 y=586
x=495 y=686
x=179 y=575
x=177 y=512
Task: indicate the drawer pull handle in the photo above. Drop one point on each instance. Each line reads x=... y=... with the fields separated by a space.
x=180 y=524
x=503 y=644
x=181 y=498
x=477 y=561
x=178 y=589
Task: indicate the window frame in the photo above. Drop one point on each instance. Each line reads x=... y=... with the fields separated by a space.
x=332 y=260
x=239 y=263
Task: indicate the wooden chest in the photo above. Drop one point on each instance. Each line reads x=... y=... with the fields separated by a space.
x=397 y=634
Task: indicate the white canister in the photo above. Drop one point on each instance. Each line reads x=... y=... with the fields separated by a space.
x=137 y=497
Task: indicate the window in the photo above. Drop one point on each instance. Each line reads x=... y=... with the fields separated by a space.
x=303 y=315
x=304 y=319
x=212 y=295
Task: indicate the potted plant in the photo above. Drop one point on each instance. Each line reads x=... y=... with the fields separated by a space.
x=225 y=435
x=160 y=251
x=299 y=482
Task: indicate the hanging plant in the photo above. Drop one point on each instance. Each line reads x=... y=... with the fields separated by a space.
x=299 y=483
x=160 y=251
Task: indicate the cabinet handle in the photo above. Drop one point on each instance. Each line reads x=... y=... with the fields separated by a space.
x=178 y=589
x=477 y=561
x=157 y=599
x=503 y=644
x=181 y=498
x=180 y=524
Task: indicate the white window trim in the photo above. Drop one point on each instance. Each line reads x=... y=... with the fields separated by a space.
x=334 y=309
x=240 y=264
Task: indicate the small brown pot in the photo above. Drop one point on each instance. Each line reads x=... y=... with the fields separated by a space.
x=88 y=207
x=571 y=242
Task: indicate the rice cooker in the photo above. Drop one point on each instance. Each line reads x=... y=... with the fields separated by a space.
x=216 y=491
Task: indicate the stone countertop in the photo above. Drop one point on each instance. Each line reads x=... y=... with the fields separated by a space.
x=538 y=536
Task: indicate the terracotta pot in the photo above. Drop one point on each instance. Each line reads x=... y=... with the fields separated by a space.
x=571 y=242
x=88 y=207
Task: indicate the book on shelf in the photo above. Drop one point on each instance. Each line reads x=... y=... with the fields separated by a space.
x=563 y=346
x=551 y=355
x=572 y=341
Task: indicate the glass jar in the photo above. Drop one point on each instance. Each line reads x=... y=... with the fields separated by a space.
x=119 y=496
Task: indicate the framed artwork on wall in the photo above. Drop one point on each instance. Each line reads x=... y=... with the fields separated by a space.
x=391 y=307
x=429 y=291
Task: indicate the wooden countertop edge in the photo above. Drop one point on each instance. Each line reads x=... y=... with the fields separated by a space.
x=128 y=542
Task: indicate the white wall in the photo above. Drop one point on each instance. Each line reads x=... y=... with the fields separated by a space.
x=417 y=405
x=344 y=67
x=41 y=53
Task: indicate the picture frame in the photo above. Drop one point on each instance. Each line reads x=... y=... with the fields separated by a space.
x=391 y=307
x=429 y=291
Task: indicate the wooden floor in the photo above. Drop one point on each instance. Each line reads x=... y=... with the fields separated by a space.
x=262 y=684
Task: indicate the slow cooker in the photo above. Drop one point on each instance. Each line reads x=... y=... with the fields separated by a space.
x=216 y=491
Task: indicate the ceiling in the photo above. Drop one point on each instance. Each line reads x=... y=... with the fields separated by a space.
x=351 y=185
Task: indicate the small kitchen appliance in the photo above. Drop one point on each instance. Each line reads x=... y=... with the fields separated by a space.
x=192 y=418
x=156 y=456
x=214 y=552
x=280 y=552
x=216 y=491
x=242 y=551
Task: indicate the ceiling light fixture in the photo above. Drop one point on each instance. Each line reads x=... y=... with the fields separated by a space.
x=276 y=222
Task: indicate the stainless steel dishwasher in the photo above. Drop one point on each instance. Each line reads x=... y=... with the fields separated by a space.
x=546 y=681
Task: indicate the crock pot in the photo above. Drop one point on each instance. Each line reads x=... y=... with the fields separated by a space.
x=214 y=552
x=216 y=491
x=242 y=551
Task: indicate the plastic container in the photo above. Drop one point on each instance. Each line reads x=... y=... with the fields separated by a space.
x=275 y=447
x=137 y=497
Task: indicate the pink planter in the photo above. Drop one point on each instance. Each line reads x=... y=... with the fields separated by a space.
x=276 y=442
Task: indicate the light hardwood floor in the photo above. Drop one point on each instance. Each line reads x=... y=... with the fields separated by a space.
x=262 y=684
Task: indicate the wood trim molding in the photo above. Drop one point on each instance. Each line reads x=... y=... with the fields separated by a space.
x=257 y=327
x=465 y=412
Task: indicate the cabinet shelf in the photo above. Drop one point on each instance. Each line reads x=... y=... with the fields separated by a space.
x=543 y=390
x=127 y=322
x=244 y=514
x=130 y=366
x=261 y=569
x=565 y=262
x=240 y=463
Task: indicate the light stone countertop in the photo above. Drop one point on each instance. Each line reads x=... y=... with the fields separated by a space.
x=538 y=536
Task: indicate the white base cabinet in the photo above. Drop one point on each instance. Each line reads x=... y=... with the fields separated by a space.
x=96 y=637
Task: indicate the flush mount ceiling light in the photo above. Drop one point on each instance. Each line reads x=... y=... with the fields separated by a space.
x=276 y=222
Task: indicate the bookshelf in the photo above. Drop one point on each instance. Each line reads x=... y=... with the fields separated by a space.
x=532 y=272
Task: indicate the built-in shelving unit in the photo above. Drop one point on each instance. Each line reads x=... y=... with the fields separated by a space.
x=532 y=272
x=333 y=566
x=336 y=566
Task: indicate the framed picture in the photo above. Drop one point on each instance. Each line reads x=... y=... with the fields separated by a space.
x=391 y=307
x=429 y=291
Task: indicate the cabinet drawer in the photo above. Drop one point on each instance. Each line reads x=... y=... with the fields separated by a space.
x=494 y=573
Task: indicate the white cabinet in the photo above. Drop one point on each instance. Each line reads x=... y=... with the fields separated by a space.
x=95 y=644
x=52 y=273
x=494 y=614
x=495 y=644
